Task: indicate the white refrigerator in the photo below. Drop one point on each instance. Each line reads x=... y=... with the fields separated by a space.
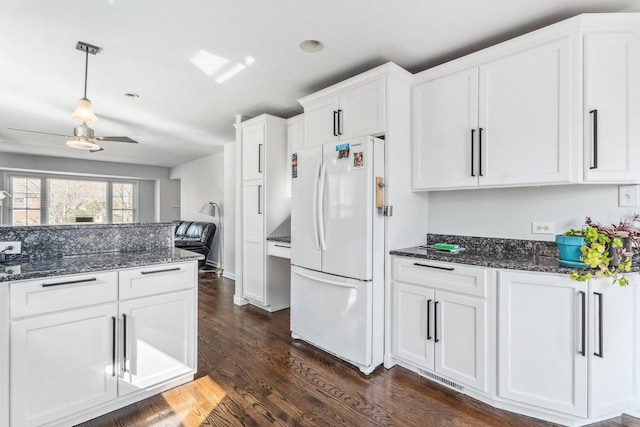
x=337 y=250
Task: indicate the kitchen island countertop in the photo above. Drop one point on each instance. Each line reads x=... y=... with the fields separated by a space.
x=79 y=264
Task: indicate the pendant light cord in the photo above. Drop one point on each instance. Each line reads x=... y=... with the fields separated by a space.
x=86 y=71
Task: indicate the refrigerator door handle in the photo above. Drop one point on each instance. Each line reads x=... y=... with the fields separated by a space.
x=315 y=207
x=320 y=207
x=326 y=281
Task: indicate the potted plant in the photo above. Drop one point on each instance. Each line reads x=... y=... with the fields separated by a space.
x=604 y=253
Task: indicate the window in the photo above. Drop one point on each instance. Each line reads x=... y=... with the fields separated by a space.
x=66 y=200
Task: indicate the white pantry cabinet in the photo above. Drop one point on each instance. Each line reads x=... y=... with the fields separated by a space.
x=567 y=346
x=105 y=341
x=265 y=206
x=612 y=105
x=440 y=319
x=348 y=111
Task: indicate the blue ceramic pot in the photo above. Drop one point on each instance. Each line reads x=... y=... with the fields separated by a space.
x=569 y=247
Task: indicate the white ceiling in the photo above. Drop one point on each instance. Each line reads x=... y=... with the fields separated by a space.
x=183 y=113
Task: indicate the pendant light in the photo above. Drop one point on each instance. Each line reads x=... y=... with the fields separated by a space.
x=84 y=109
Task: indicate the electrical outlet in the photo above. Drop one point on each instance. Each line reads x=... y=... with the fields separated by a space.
x=542 y=228
x=16 y=247
x=628 y=196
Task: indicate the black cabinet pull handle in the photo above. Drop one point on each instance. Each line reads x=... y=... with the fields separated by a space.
x=433 y=266
x=435 y=322
x=124 y=342
x=594 y=113
x=480 y=150
x=69 y=282
x=584 y=323
x=259 y=158
x=339 y=122
x=473 y=172
x=259 y=199
x=335 y=123
x=113 y=346
x=283 y=246
x=428 y=319
x=160 y=271
x=600 y=325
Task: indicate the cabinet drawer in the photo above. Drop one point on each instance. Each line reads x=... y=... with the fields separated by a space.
x=279 y=249
x=441 y=275
x=156 y=279
x=63 y=292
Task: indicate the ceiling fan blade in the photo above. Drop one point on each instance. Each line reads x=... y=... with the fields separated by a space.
x=37 y=131
x=115 y=139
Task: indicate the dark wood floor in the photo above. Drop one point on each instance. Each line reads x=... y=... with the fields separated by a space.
x=251 y=373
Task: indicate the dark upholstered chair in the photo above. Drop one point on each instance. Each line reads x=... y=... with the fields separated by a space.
x=195 y=236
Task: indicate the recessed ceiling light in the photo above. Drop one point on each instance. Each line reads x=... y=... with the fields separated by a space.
x=131 y=95
x=311 y=46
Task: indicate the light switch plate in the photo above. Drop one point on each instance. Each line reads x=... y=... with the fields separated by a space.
x=628 y=196
x=15 y=250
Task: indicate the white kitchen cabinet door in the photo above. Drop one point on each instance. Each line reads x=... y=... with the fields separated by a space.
x=412 y=336
x=158 y=340
x=542 y=341
x=445 y=132
x=62 y=363
x=253 y=241
x=362 y=110
x=611 y=107
x=460 y=338
x=613 y=346
x=524 y=117
x=320 y=121
x=253 y=146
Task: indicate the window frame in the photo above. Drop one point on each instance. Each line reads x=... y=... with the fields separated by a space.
x=44 y=194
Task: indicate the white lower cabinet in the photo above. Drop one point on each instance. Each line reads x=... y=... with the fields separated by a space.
x=62 y=363
x=438 y=330
x=158 y=336
x=566 y=346
x=105 y=341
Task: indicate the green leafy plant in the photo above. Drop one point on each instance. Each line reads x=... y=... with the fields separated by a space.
x=596 y=255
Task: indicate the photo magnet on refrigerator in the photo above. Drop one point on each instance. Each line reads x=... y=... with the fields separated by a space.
x=343 y=151
x=358 y=160
x=294 y=165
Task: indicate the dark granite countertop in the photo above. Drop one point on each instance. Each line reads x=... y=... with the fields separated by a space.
x=77 y=264
x=496 y=259
x=283 y=239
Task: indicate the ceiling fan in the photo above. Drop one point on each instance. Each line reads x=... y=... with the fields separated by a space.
x=83 y=136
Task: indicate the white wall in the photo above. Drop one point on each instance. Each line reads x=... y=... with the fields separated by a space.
x=202 y=181
x=508 y=213
x=230 y=210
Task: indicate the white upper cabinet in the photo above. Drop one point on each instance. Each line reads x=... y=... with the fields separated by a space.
x=524 y=134
x=554 y=106
x=350 y=109
x=612 y=106
x=253 y=139
x=505 y=122
x=445 y=128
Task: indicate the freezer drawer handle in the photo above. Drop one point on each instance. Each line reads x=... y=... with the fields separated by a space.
x=166 y=270
x=600 y=325
x=282 y=246
x=69 y=282
x=433 y=266
x=328 y=282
